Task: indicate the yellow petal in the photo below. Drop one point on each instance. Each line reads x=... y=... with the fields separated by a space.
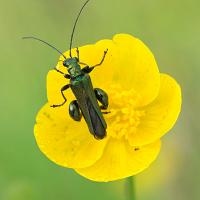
x=64 y=141
x=120 y=160
x=136 y=68
x=160 y=115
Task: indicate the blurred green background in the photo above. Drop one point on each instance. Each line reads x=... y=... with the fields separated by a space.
x=171 y=30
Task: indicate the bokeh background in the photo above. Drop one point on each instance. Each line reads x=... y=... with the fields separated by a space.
x=171 y=30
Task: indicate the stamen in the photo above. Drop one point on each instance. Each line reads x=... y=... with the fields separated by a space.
x=125 y=116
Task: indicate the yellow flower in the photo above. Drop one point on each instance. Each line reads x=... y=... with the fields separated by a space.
x=144 y=105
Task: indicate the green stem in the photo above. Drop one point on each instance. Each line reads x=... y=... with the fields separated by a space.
x=130 y=189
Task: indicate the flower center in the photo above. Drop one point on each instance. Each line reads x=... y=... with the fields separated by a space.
x=124 y=117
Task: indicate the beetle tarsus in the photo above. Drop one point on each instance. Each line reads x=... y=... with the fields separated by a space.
x=106 y=112
x=55 y=106
x=58 y=70
x=103 y=58
x=65 y=75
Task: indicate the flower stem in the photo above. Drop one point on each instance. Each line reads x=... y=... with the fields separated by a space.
x=130 y=189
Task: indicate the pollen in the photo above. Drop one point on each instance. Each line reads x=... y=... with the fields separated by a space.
x=125 y=116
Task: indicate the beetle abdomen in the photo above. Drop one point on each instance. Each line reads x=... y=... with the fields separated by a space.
x=84 y=92
x=98 y=127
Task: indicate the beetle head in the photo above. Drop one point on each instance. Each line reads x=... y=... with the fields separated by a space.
x=72 y=66
x=70 y=62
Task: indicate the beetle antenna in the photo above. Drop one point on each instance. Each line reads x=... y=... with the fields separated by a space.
x=46 y=44
x=72 y=35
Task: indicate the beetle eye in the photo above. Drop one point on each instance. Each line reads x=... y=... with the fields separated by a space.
x=65 y=63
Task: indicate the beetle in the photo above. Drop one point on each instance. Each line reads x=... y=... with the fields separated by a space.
x=87 y=97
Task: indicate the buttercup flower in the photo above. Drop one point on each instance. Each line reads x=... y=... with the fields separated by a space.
x=144 y=105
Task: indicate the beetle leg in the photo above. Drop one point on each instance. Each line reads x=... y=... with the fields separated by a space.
x=82 y=63
x=62 y=92
x=104 y=55
x=65 y=75
x=102 y=97
x=78 y=56
x=74 y=111
x=58 y=70
x=105 y=112
x=88 y=69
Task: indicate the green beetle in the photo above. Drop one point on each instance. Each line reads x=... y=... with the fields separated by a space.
x=87 y=97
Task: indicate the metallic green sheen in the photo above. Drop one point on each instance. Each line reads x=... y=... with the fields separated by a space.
x=83 y=90
x=74 y=111
x=73 y=67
